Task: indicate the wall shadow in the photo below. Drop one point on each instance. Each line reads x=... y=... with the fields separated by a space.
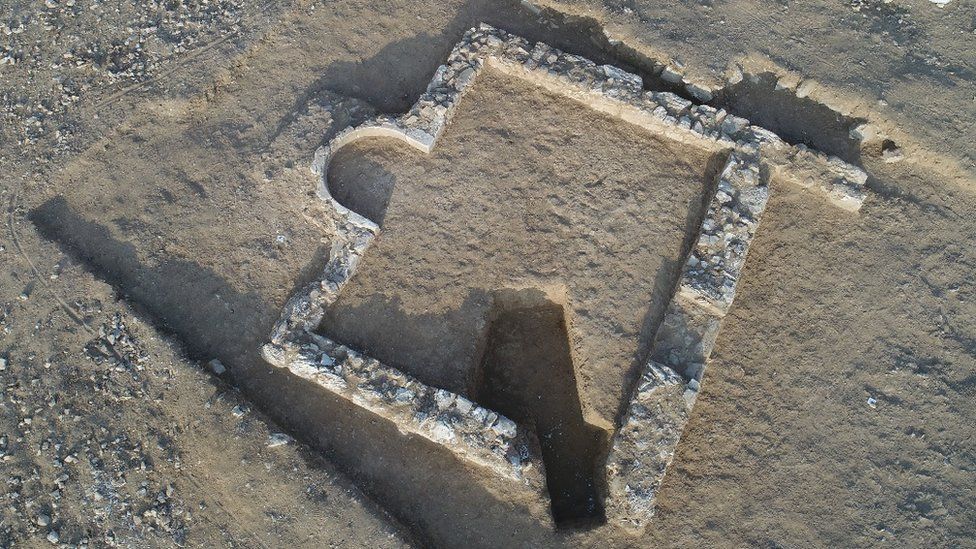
x=798 y=120
x=180 y=298
x=393 y=78
x=185 y=299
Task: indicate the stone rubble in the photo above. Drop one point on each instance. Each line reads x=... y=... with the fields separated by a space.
x=478 y=435
x=53 y=468
x=53 y=63
x=714 y=264
x=645 y=443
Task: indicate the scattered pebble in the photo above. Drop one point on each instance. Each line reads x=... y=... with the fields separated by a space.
x=278 y=439
x=892 y=155
x=217 y=367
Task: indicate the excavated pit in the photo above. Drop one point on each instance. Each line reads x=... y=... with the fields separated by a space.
x=525 y=189
x=529 y=376
x=173 y=294
x=527 y=193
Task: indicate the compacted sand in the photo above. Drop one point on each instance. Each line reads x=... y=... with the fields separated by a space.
x=530 y=205
x=168 y=183
x=526 y=189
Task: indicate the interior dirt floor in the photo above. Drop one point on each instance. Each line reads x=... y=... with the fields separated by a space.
x=168 y=183
x=525 y=189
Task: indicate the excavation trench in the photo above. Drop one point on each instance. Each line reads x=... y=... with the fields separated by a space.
x=221 y=294
x=525 y=189
x=798 y=120
x=528 y=375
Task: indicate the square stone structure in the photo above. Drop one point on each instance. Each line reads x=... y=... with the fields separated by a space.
x=386 y=329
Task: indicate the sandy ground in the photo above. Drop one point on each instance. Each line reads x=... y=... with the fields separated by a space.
x=589 y=214
x=571 y=209
x=838 y=410
x=112 y=438
x=908 y=62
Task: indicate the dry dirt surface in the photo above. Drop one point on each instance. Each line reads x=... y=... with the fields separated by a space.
x=624 y=199
x=159 y=211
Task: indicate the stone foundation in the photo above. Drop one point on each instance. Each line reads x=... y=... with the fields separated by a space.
x=648 y=434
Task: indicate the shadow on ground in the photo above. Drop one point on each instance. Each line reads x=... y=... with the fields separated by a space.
x=214 y=320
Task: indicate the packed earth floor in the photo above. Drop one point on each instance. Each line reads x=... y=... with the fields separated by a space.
x=159 y=212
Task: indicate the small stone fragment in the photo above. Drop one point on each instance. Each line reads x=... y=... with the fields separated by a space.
x=465 y=77
x=403 y=395
x=278 y=439
x=671 y=75
x=216 y=367
x=444 y=399
x=505 y=427
x=863 y=132
x=892 y=155
x=805 y=88
x=700 y=93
